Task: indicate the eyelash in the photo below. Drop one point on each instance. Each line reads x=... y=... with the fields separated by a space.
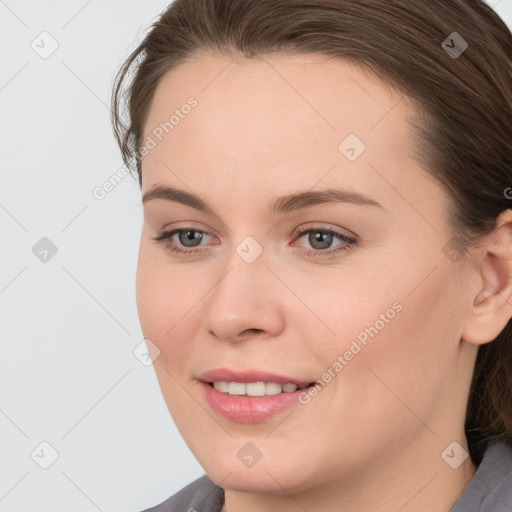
x=348 y=242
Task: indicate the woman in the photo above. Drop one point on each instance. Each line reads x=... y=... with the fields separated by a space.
x=325 y=273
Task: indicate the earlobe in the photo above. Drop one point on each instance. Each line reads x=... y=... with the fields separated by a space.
x=492 y=304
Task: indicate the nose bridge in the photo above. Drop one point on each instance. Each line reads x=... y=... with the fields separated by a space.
x=244 y=297
x=243 y=284
x=246 y=270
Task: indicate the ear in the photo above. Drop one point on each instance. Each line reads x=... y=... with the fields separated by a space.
x=492 y=304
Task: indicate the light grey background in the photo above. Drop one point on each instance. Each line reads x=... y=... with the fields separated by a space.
x=69 y=321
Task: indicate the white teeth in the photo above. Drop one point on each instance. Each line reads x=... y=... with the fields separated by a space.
x=273 y=388
x=236 y=388
x=221 y=385
x=255 y=388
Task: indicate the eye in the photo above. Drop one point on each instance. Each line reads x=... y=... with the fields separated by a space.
x=321 y=240
x=324 y=242
x=188 y=239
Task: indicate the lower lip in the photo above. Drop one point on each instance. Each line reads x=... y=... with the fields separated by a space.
x=248 y=409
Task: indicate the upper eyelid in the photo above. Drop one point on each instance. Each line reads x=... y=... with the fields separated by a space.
x=297 y=233
x=328 y=227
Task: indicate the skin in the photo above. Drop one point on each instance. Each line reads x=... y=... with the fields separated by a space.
x=372 y=438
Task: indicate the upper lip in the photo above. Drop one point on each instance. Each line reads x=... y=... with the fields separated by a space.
x=249 y=375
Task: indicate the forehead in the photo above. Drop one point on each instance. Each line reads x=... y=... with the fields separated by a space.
x=272 y=121
x=322 y=91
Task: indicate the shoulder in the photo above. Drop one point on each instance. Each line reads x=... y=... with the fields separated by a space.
x=201 y=495
x=490 y=490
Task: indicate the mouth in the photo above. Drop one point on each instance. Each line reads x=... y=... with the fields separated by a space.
x=250 y=396
x=256 y=388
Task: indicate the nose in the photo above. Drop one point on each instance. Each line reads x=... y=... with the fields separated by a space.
x=245 y=303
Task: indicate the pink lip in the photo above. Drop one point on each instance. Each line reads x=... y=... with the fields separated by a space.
x=228 y=375
x=247 y=409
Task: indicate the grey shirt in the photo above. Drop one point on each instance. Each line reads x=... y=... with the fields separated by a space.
x=490 y=490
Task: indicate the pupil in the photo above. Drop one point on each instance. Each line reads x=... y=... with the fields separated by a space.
x=190 y=236
x=320 y=240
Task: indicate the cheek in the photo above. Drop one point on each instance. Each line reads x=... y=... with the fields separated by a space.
x=166 y=302
x=387 y=327
x=406 y=363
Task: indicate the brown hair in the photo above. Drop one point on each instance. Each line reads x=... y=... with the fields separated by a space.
x=462 y=136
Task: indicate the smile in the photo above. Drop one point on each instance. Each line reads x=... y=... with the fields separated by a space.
x=255 y=388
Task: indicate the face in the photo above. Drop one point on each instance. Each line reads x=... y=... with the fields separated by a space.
x=350 y=289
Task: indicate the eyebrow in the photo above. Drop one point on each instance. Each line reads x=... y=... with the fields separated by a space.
x=279 y=205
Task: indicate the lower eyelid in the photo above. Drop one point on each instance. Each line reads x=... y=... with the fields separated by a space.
x=346 y=242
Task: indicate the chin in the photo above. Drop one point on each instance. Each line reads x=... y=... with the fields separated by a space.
x=252 y=481
x=268 y=476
